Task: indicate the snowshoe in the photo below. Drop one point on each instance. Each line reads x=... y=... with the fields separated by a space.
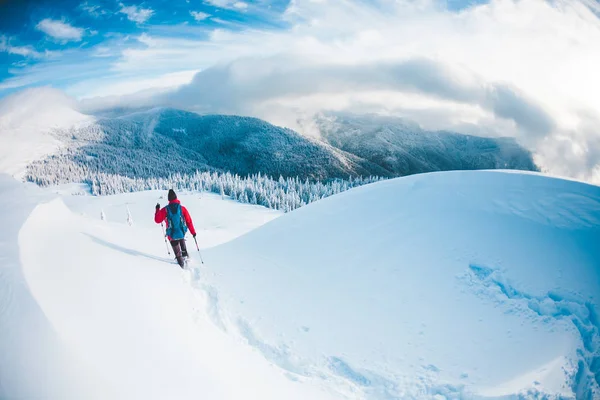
x=184 y=262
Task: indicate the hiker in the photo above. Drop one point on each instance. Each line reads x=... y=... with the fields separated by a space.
x=178 y=221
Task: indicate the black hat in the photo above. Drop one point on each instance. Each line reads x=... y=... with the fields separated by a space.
x=172 y=196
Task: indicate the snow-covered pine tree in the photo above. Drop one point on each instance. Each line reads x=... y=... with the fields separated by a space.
x=129 y=217
x=282 y=194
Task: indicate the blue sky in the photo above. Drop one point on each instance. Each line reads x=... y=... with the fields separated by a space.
x=83 y=38
x=63 y=42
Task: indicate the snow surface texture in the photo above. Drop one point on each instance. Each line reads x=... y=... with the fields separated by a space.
x=460 y=285
x=27 y=122
x=34 y=361
x=117 y=310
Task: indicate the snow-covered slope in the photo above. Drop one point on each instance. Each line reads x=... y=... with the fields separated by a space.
x=95 y=309
x=35 y=362
x=27 y=120
x=459 y=284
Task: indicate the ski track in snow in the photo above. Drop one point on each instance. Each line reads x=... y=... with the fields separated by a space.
x=212 y=300
x=554 y=306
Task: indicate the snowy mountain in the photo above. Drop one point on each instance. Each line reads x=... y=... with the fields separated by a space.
x=246 y=145
x=403 y=148
x=454 y=285
x=160 y=142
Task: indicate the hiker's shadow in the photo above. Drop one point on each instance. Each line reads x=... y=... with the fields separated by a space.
x=130 y=252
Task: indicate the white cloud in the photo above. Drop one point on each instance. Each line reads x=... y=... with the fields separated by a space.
x=199 y=15
x=24 y=51
x=219 y=3
x=223 y=22
x=92 y=9
x=132 y=84
x=240 y=5
x=103 y=51
x=136 y=14
x=60 y=30
x=262 y=87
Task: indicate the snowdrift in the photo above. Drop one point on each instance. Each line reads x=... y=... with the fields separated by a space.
x=35 y=362
x=95 y=309
x=458 y=284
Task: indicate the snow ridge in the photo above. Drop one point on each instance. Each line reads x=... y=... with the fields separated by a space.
x=555 y=305
x=387 y=318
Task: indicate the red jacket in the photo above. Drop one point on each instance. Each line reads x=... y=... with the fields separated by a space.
x=161 y=215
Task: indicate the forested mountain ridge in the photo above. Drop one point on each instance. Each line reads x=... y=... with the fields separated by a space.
x=161 y=142
x=403 y=148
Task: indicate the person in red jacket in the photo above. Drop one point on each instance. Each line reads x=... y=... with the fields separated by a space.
x=178 y=221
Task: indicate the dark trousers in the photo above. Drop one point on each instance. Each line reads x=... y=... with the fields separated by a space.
x=180 y=250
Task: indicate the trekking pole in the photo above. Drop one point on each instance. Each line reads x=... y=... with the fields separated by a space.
x=200 y=254
x=165 y=236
